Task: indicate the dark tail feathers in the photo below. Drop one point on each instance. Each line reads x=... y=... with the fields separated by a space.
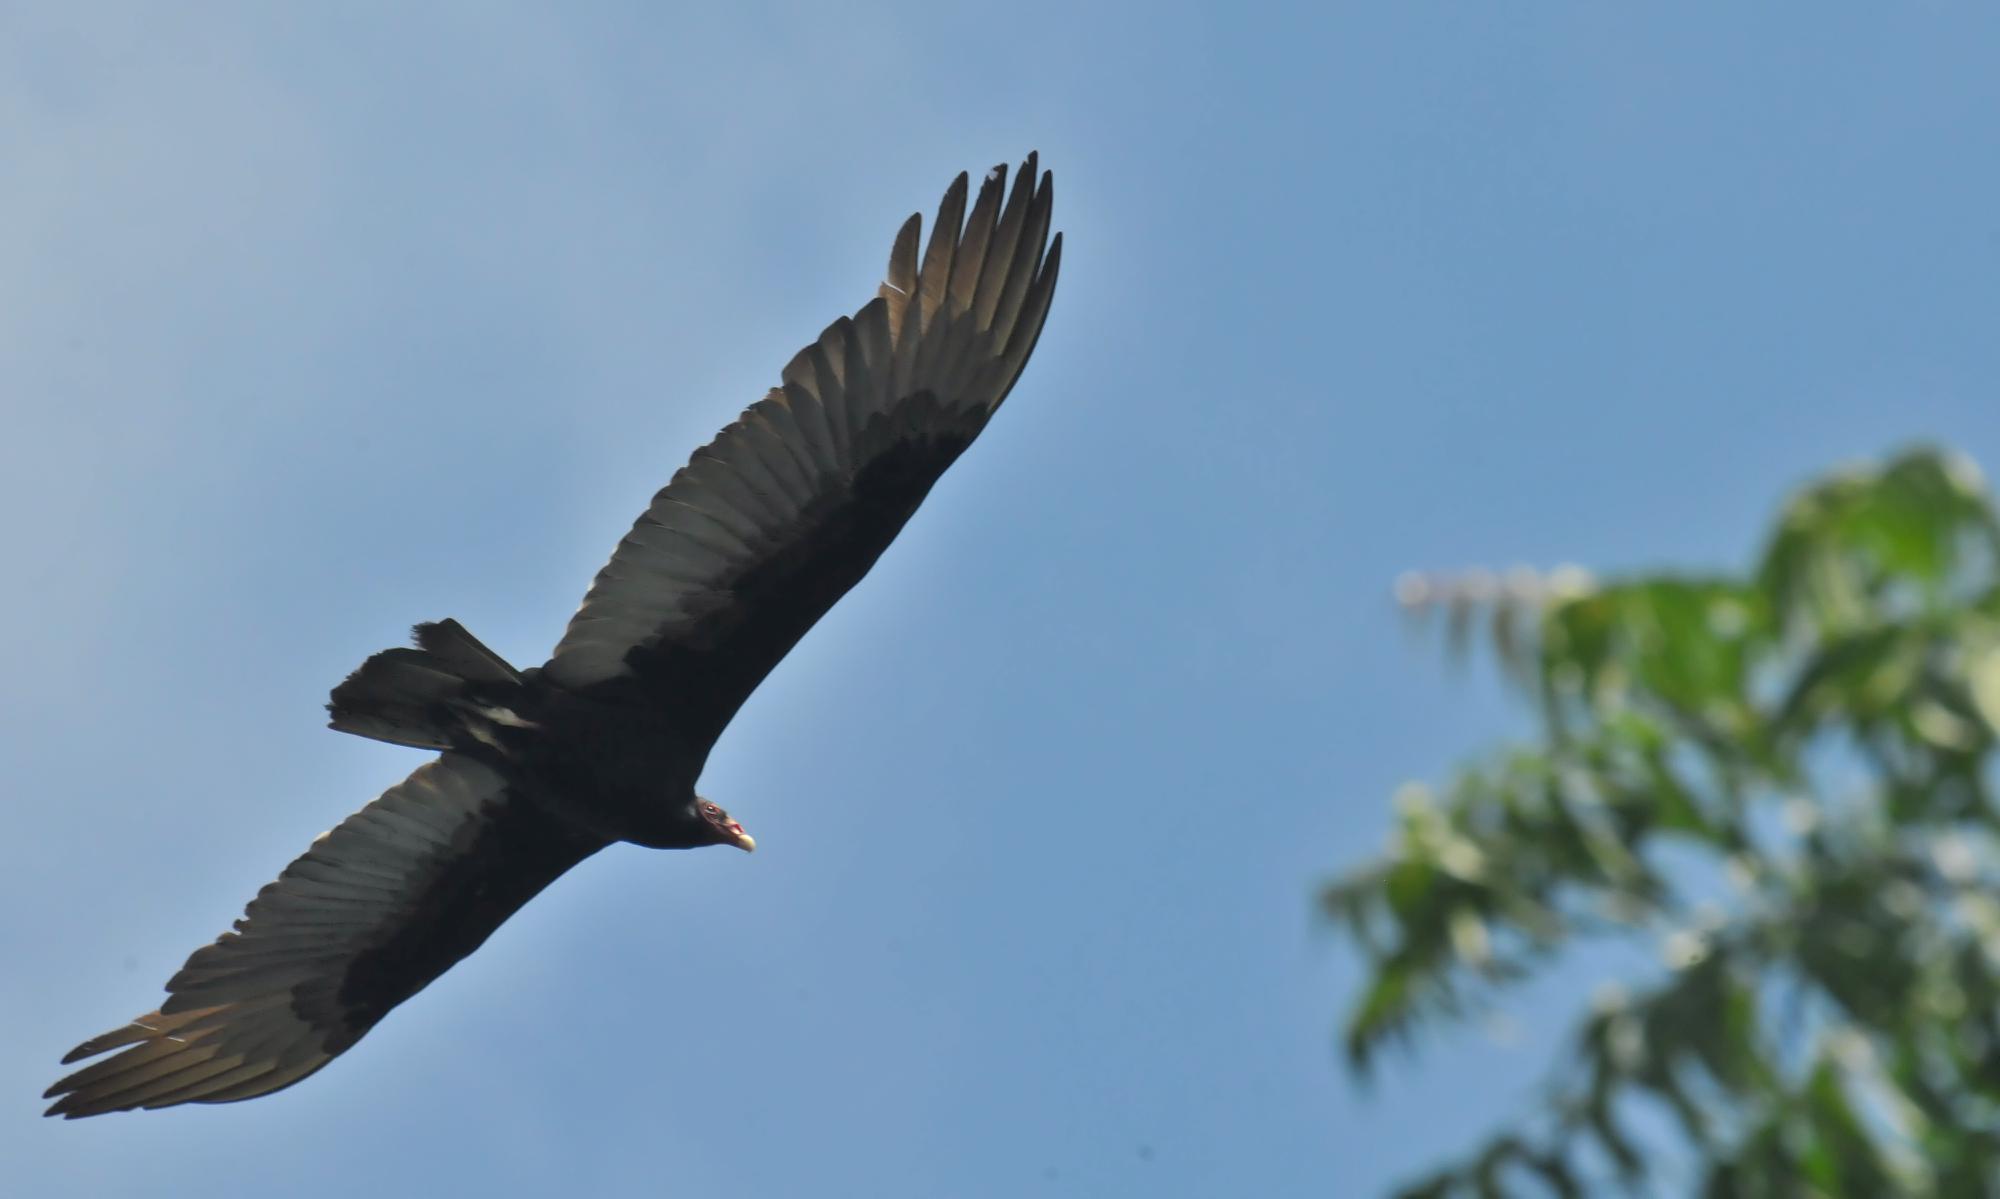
x=431 y=696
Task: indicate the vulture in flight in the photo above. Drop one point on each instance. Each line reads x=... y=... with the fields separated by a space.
x=748 y=545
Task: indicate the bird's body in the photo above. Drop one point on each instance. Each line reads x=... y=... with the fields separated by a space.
x=603 y=763
x=734 y=561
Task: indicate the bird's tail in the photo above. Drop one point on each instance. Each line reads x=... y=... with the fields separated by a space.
x=434 y=696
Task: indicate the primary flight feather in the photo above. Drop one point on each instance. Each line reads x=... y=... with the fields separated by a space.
x=751 y=542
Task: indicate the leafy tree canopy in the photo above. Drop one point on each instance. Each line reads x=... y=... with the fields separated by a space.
x=1781 y=781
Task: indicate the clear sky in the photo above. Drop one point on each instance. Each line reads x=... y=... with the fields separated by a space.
x=319 y=320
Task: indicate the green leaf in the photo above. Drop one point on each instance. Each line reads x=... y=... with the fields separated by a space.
x=1983 y=674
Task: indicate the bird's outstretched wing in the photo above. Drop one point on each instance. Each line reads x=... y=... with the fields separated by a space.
x=771 y=523
x=377 y=908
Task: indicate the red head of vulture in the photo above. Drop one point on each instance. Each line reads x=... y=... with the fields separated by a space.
x=749 y=544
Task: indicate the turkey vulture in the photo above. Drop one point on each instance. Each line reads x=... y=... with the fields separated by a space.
x=749 y=544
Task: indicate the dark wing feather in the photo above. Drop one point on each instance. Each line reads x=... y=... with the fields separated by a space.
x=375 y=910
x=771 y=523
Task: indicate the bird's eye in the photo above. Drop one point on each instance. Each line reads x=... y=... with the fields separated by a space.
x=711 y=809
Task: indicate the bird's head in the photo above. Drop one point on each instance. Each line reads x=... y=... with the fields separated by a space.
x=723 y=827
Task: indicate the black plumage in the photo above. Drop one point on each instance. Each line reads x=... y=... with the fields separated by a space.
x=735 y=559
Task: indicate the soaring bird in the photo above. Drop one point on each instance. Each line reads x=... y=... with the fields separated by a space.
x=735 y=559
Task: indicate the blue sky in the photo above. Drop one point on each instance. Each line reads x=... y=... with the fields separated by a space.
x=316 y=321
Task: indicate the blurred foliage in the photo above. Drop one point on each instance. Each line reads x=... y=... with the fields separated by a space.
x=1780 y=784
